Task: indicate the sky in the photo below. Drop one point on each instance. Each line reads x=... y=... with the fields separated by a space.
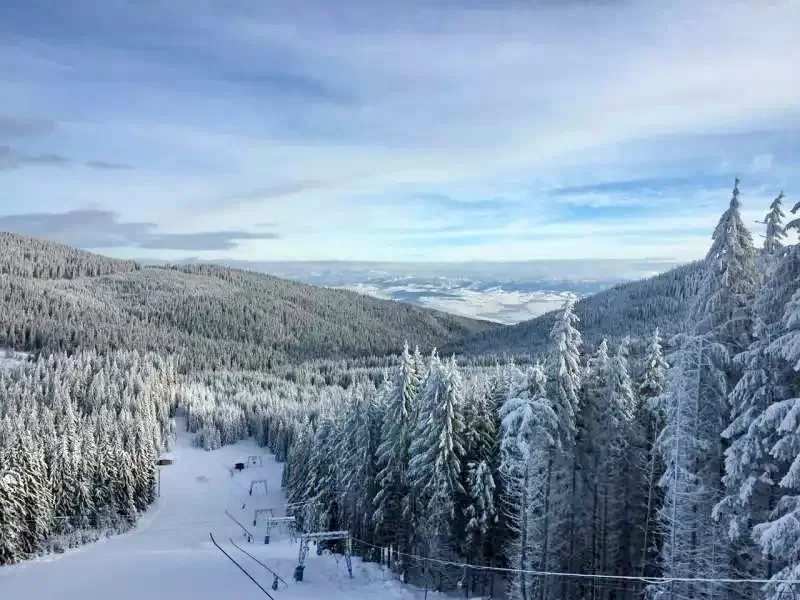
x=409 y=131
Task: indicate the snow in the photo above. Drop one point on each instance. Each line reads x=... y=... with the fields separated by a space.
x=10 y=359
x=507 y=307
x=170 y=555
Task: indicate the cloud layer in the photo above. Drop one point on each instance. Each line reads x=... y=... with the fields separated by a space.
x=424 y=131
x=103 y=229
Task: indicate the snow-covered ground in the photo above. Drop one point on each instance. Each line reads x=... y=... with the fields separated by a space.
x=170 y=555
x=10 y=359
x=493 y=304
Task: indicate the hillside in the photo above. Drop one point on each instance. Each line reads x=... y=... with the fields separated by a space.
x=633 y=308
x=53 y=297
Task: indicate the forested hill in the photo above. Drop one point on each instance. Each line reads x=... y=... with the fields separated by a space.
x=633 y=308
x=53 y=297
x=41 y=259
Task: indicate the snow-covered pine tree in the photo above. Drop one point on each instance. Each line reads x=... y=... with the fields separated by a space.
x=566 y=371
x=655 y=368
x=392 y=499
x=723 y=307
x=773 y=221
x=621 y=507
x=359 y=469
x=437 y=451
x=751 y=471
x=482 y=446
x=13 y=517
x=604 y=537
x=564 y=381
x=693 y=544
x=778 y=535
x=529 y=433
x=697 y=409
x=584 y=548
x=648 y=422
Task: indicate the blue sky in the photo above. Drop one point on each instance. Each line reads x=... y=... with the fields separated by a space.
x=356 y=130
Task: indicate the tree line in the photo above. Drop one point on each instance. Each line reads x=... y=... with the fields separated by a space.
x=79 y=440
x=57 y=299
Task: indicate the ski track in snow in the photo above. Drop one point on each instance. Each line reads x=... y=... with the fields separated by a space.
x=169 y=554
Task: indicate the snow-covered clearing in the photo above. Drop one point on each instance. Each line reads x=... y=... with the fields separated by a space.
x=10 y=359
x=170 y=555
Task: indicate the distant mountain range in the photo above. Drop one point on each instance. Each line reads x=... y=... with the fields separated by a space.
x=503 y=292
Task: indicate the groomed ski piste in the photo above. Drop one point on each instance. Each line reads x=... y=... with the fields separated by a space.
x=170 y=555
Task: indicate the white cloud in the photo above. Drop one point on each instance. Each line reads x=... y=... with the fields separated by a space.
x=473 y=103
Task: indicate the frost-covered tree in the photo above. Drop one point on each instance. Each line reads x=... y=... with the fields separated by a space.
x=78 y=440
x=392 y=499
x=482 y=445
x=437 y=451
x=564 y=381
x=689 y=445
x=646 y=465
x=529 y=435
x=778 y=533
x=697 y=409
x=723 y=307
x=751 y=471
x=773 y=221
x=358 y=458
x=655 y=368
x=566 y=367
x=13 y=526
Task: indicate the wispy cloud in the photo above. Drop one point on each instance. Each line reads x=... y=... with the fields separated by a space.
x=15 y=159
x=93 y=228
x=106 y=166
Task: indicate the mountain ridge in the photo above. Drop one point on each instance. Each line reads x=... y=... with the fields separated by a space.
x=56 y=298
x=634 y=307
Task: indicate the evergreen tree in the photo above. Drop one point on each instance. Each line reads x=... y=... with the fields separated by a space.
x=563 y=486
x=566 y=342
x=392 y=498
x=482 y=460
x=437 y=451
x=777 y=531
x=689 y=446
x=528 y=436
x=655 y=368
x=775 y=233
x=750 y=468
x=697 y=407
x=648 y=422
x=723 y=308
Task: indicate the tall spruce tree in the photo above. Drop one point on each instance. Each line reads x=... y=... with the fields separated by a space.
x=529 y=432
x=562 y=490
x=776 y=430
x=437 y=452
x=649 y=420
x=393 y=454
x=773 y=221
x=697 y=410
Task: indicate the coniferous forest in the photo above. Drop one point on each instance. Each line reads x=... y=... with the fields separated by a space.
x=644 y=442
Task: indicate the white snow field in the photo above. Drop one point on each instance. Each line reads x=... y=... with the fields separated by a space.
x=170 y=556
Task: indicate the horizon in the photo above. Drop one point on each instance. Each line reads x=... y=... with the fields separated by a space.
x=435 y=132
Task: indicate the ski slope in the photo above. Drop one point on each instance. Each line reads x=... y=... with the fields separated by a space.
x=170 y=555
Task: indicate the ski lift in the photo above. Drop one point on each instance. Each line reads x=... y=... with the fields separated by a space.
x=275 y=583
x=462 y=580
